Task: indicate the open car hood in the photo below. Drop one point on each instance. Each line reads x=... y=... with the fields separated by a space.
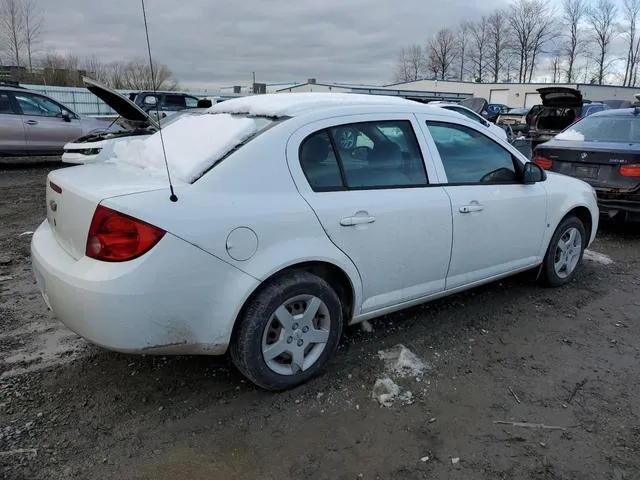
x=122 y=105
x=560 y=97
x=477 y=104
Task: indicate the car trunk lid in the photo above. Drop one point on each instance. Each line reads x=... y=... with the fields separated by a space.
x=560 y=97
x=72 y=195
x=596 y=163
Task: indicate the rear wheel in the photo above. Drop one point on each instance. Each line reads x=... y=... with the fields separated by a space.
x=565 y=252
x=288 y=331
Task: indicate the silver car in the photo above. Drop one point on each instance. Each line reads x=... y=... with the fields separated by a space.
x=34 y=124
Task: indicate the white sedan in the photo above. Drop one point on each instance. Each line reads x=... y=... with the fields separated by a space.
x=280 y=235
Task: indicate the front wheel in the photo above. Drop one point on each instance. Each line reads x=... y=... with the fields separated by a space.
x=565 y=252
x=288 y=331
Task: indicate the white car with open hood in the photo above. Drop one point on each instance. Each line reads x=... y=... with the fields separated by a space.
x=132 y=120
x=281 y=235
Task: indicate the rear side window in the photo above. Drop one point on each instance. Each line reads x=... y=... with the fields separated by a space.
x=366 y=155
x=469 y=157
x=174 y=101
x=6 y=106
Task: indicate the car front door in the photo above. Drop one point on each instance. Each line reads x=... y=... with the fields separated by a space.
x=46 y=128
x=365 y=178
x=498 y=221
x=12 y=136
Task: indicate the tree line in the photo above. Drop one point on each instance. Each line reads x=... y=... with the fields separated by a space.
x=572 y=42
x=22 y=28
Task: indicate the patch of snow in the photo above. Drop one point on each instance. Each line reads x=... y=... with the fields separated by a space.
x=385 y=391
x=193 y=144
x=366 y=326
x=455 y=460
x=403 y=362
x=285 y=104
x=570 y=135
x=25 y=233
x=597 y=257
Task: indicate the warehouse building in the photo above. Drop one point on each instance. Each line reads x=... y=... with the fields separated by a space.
x=517 y=94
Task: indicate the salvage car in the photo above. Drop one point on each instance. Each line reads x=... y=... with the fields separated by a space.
x=602 y=149
x=561 y=106
x=467 y=112
x=132 y=122
x=34 y=124
x=273 y=237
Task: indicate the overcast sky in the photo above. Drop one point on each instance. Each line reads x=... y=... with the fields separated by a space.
x=219 y=43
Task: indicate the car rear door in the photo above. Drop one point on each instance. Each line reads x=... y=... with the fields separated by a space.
x=46 y=130
x=12 y=136
x=498 y=222
x=365 y=178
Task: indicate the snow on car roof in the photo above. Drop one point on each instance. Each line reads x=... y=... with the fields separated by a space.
x=291 y=104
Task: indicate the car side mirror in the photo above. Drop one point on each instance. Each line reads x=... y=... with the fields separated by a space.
x=66 y=116
x=533 y=173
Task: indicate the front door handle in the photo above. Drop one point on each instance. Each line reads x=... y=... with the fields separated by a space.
x=471 y=208
x=31 y=122
x=360 y=218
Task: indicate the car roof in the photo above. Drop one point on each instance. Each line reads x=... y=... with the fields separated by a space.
x=617 y=112
x=295 y=104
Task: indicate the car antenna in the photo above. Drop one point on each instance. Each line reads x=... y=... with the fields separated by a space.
x=173 y=196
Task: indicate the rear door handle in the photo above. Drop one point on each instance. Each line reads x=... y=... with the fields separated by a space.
x=357 y=220
x=31 y=122
x=471 y=208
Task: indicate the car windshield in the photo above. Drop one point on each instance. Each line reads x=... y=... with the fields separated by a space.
x=608 y=128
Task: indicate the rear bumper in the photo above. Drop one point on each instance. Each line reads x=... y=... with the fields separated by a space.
x=176 y=299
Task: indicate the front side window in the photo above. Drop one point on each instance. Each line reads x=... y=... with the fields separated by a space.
x=364 y=155
x=469 y=157
x=191 y=102
x=38 y=106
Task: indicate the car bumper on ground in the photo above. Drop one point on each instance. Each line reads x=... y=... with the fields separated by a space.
x=176 y=299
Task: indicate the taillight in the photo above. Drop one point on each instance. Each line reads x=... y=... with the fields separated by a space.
x=543 y=162
x=631 y=170
x=115 y=237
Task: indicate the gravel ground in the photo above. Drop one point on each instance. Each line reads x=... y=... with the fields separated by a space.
x=508 y=352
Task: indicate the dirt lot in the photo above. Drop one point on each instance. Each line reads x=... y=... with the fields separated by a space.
x=511 y=351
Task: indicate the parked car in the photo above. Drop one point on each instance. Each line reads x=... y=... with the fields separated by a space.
x=517 y=119
x=279 y=236
x=166 y=103
x=34 y=124
x=132 y=120
x=467 y=112
x=602 y=149
x=561 y=106
x=494 y=110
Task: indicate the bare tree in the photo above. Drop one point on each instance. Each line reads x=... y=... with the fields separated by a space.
x=601 y=18
x=479 y=46
x=462 y=44
x=531 y=26
x=12 y=28
x=573 y=13
x=61 y=70
x=555 y=65
x=442 y=52
x=411 y=64
x=631 y=9
x=33 y=22
x=498 y=43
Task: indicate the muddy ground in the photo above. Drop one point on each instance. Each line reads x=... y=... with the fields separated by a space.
x=512 y=351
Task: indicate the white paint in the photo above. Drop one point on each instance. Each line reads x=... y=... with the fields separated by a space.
x=597 y=257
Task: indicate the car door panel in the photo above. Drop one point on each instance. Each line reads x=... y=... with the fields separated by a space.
x=12 y=136
x=398 y=238
x=498 y=226
x=45 y=129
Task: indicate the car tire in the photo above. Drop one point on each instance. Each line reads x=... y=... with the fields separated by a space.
x=292 y=313
x=564 y=253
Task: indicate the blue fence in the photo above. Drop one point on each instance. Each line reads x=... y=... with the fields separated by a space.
x=81 y=100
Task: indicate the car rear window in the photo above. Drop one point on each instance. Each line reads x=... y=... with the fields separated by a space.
x=616 y=129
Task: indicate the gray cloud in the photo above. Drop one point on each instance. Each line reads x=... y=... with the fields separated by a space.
x=220 y=43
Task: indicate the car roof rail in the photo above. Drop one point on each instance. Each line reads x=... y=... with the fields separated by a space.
x=10 y=84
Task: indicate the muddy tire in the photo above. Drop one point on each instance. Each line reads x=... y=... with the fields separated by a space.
x=288 y=331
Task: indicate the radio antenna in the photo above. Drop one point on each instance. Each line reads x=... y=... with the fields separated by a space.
x=173 y=196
